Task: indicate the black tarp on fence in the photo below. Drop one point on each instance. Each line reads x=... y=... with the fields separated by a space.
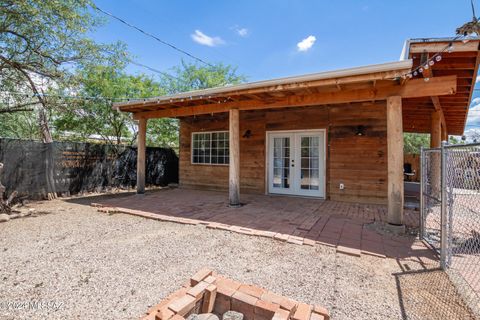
x=79 y=167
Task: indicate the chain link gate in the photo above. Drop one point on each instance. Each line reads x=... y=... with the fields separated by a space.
x=450 y=214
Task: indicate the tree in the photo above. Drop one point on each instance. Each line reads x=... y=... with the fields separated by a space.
x=94 y=115
x=188 y=77
x=41 y=43
x=413 y=141
x=83 y=118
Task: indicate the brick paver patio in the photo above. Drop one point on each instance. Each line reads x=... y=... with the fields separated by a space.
x=346 y=226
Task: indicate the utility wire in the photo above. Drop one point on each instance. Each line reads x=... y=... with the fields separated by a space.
x=139 y=64
x=148 y=34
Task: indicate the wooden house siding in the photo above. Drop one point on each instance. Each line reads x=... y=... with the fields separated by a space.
x=359 y=162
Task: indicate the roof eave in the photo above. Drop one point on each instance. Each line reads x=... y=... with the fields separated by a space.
x=376 y=68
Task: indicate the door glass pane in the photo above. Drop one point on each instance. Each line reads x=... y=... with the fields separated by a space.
x=281 y=162
x=310 y=174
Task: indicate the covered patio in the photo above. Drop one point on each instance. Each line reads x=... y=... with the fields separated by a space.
x=252 y=138
x=349 y=227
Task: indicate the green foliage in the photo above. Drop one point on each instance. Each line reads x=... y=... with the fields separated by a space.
x=41 y=45
x=45 y=49
x=95 y=117
x=19 y=125
x=413 y=141
x=189 y=77
x=82 y=119
x=455 y=140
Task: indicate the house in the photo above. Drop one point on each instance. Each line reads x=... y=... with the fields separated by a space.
x=331 y=135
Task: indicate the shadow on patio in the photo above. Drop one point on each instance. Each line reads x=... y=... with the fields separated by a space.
x=347 y=226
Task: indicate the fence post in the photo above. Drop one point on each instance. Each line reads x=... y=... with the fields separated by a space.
x=443 y=207
x=422 y=205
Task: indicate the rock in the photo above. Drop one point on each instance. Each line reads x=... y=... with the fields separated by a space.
x=208 y=316
x=232 y=315
x=203 y=316
x=4 y=217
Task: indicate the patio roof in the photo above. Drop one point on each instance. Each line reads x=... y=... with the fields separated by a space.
x=449 y=88
x=461 y=60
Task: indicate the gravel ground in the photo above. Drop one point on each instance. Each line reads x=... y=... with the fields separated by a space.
x=82 y=264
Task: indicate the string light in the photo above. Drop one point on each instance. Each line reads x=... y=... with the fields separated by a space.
x=436 y=57
x=450 y=47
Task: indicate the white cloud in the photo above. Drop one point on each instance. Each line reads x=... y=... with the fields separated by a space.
x=473 y=118
x=203 y=39
x=242 y=32
x=475 y=101
x=478 y=79
x=306 y=43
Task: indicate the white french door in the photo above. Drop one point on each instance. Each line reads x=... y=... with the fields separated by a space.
x=296 y=163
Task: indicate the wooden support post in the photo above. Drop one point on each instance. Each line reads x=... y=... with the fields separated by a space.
x=141 y=150
x=444 y=133
x=234 y=164
x=435 y=130
x=435 y=142
x=395 y=160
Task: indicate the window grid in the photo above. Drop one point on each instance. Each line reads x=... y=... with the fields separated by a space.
x=210 y=147
x=281 y=163
x=310 y=163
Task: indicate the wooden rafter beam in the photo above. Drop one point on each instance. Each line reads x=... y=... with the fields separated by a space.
x=411 y=89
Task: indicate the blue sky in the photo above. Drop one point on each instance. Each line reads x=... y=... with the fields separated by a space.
x=275 y=38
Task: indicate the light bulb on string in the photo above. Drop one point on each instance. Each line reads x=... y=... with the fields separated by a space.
x=450 y=48
x=431 y=63
x=420 y=70
x=438 y=58
x=426 y=79
x=426 y=66
x=415 y=73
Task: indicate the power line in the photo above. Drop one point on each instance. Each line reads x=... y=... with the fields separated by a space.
x=146 y=66
x=148 y=34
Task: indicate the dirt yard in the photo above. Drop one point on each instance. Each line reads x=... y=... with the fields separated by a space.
x=70 y=261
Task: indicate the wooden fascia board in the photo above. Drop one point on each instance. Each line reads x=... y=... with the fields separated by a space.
x=411 y=89
x=385 y=75
x=458 y=46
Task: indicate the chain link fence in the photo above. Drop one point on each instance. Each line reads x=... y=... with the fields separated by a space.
x=450 y=208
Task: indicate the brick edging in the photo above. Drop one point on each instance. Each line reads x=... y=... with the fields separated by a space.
x=237 y=229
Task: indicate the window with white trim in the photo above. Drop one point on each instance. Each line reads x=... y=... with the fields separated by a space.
x=210 y=147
